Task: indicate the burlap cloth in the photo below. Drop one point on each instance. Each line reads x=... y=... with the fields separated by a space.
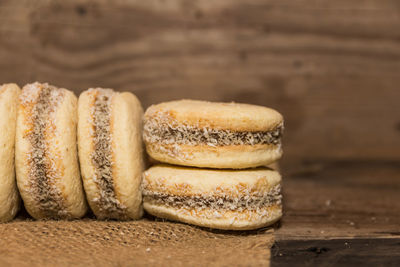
x=88 y=242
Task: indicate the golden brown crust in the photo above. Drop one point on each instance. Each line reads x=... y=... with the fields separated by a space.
x=43 y=171
x=122 y=140
x=46 y=157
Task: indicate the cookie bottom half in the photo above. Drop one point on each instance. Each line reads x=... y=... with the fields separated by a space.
x=232 y=157
x=217 y=218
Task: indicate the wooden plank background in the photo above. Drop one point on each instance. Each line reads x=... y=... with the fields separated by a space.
x=331 y=67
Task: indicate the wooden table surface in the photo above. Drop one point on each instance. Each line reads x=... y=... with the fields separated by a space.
x=340 y=212
x=331 y=67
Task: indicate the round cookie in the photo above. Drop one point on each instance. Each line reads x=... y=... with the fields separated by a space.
x=221 y=199
x=111 y=152
x=46 y=154
x=213 y=135
x=9 y=197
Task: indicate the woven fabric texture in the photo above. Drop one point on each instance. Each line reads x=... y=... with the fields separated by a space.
x=145 y=242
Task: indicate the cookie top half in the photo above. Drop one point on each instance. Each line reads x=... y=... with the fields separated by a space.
x=223 y=116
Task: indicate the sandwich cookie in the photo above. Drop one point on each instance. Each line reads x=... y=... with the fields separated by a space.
x=46 y=154
x=214 y=135
x=9 y=197
x=111 y=152
x=222 y=199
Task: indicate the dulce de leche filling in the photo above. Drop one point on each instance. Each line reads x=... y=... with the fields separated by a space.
x=43 y=173
x=101 y=157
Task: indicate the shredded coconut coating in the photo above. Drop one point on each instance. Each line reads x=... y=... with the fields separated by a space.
x=251 y=202
x=101 y=157
x=163 y=129
x=43 y=172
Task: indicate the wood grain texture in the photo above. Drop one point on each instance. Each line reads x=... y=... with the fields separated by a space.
x=340 y=252
x=341 y=199
x=331 y=67
x=339 y=213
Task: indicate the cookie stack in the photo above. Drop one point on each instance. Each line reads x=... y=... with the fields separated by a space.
x=221 y=149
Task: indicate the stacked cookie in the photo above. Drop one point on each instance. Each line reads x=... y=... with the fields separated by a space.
x=221 y=149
